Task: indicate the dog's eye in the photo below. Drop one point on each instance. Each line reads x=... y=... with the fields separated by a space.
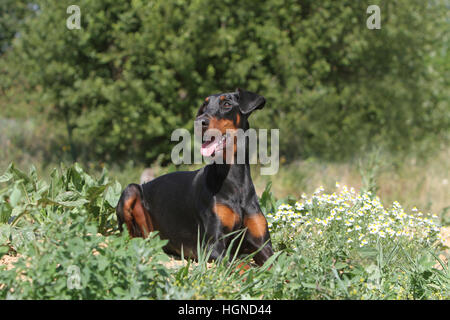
x=227 y=105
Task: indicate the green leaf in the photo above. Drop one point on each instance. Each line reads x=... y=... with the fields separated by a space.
x=94 y=192
x=5 y=233
x=67 y=196
x=16 y=195
x=6 y=177
x=368 y=252
x=340 y=265
x=119 y=291
x=3 y=250
x=74 y=203
x=19 y=175
x=103 y=262
x=309 y=285
x=426 y=261
x=113 y=194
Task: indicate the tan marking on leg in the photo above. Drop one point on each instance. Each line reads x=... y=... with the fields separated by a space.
x=226 y=215
x=128 y=216
x=142 y=218
x=139 y=215
x=242 y=267
x=256 y=225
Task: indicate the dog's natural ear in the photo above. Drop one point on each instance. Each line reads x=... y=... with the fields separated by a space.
x=249 y=101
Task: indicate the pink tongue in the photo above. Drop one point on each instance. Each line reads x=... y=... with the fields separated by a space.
x=208 y=148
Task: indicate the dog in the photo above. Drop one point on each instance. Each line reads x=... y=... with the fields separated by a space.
x=215 y=200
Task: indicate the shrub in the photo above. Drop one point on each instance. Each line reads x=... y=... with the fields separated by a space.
x=68 y=259
x=70 y=189
x=138 y=70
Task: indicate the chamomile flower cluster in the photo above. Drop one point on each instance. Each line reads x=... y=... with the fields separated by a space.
x=359 y=218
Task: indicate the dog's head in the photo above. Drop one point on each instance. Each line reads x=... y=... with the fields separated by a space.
x=221 y=115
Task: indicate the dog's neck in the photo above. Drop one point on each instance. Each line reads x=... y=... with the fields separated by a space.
x=231 y=177
x=231 y=171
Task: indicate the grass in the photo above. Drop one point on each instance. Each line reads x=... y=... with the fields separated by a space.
x=412 y=181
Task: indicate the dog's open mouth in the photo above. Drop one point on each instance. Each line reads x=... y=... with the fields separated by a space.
x=211 y=147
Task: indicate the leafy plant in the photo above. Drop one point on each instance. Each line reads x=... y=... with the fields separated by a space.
x=60 y=252
x=72 y=189
x=70 y=260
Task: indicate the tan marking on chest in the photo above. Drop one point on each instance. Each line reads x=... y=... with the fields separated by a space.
x=226 y=215
x=256 y=225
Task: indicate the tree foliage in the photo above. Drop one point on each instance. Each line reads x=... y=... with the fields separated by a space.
x=137 y=70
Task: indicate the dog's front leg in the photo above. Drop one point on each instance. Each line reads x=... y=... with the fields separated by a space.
x=257 y=237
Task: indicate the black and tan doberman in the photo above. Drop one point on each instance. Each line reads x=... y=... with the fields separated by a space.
x=215 y=200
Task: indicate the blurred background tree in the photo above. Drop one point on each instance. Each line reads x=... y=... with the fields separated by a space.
x=139 y=69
